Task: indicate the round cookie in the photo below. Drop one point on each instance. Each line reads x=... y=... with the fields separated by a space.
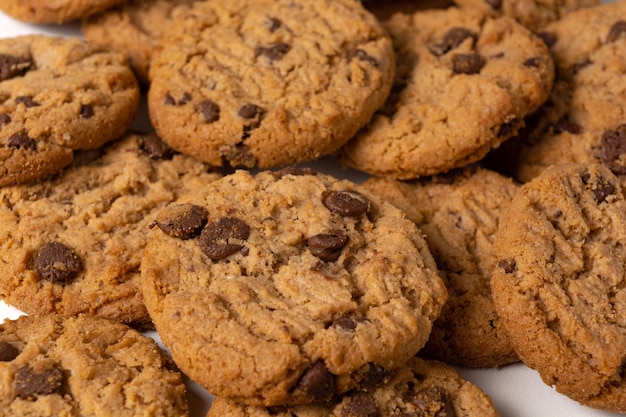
x=421 y=388
x=134 y=28
x=459 y=214
x=268 y=83
x=57 y=11
x=58 y=95
x=533 y=14
x=85 y=366
x=288 y=287
x=582 y=121
x=559 y=284
x=73 y=243
x=464 y=83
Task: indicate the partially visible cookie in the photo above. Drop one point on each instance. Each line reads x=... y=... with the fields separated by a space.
x=560 y=284
x=73 y=243
x=533 y=14
x=459 y=213
x=267 y=83
x=288 y=287
x=134 y=28
x=582 y=121
x=58 y=95
x=421 y=388
x=53 y=366
x=464 y=83
x=384 y=9
x=57 y=11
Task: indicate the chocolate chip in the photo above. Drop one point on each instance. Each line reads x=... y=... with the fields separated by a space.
x=601 y=188
x=169 y=100
x=348 y=324
x=509 y=265
x=294 y=171
x=433 y=401
x=327 y=246
x=613 y=144
x=8 y=352
x=4 y=119
x=182 y=221
x=360 y=404
x=549 y=38
x=617 y=31
x=361 y=55
x=13 y=66
x=346 y=203
x=451 y=40
x=238 y=155
x=26 y=101
x=86 y=111
x=184 y=99
x=468 y=63
x=534 y=62
x=274 y=52
x=508 y=129
x=21 y=140
x=250 y=111
x=154 y=147
x=494 y=4
x=317 y=383
x=56 y=262
x=223 y=237
x=210 y=111
x=564 y=124
x=273 y=24
x=29 y=384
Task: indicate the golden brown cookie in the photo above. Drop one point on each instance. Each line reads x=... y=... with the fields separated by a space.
x=54 y=11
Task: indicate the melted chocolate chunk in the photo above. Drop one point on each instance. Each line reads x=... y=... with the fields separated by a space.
x=601 y=188
x=508 y=265
x=549 y=38
x=4 y=119
x=21 y=140
x=154 y=147
x=274 y=52
x=8 y=352
x=57 y=263
x=250 y=111
x=26 y=101
x=508 y=129
x=274 y=24
x=210 y=111
x=534 y=62
x=182 y=221
x=86 y=111
x=613 y=144
x=564 y=124
x=361 y=55
x=294 y=171
x=360 y=404
x=348 y=324
x=468 y=64
x=346 y=203
x=317 y=383
x=433 y=401
x=327 y=246
x=13 y=66
x=29 y=384
x=617 y=32
x=223 y=237
x=451 y=40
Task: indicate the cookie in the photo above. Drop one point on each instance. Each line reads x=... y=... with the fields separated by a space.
x=582 y=120
x=85 y=366
x=59 y=95
x=384 y=9
x=533 y=14
x=463 y=85
x=73 y=243
x=268 y=83
x=285 y=287
x=559 y=283
x=459 y=214
x=133 y=28
x=60 y=11
x=421 y=388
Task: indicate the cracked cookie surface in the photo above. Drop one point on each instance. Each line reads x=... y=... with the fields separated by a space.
x=559 y=282
x=85 y=366
x=286 y=286
x=268 y=83
x=58 y=95
x=73 y=243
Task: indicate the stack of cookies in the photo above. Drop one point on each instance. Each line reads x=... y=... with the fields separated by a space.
x=487 y=231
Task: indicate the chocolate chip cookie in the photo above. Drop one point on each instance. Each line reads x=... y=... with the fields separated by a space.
x=53 y=366
x=268 y=83
x=287 y=287
x=58 y=95
x=559 y=282
x=464 y=83
x=73 y=243
x=459 y=214
x=58 y=11
x=421 y=388
x=582 y=121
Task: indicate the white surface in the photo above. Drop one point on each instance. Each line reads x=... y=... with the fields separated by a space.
x=516 y=390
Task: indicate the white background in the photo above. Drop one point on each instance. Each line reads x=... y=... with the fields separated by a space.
x=516 y=390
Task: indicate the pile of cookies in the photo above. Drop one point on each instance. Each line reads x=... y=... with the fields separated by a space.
x=487 y=232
